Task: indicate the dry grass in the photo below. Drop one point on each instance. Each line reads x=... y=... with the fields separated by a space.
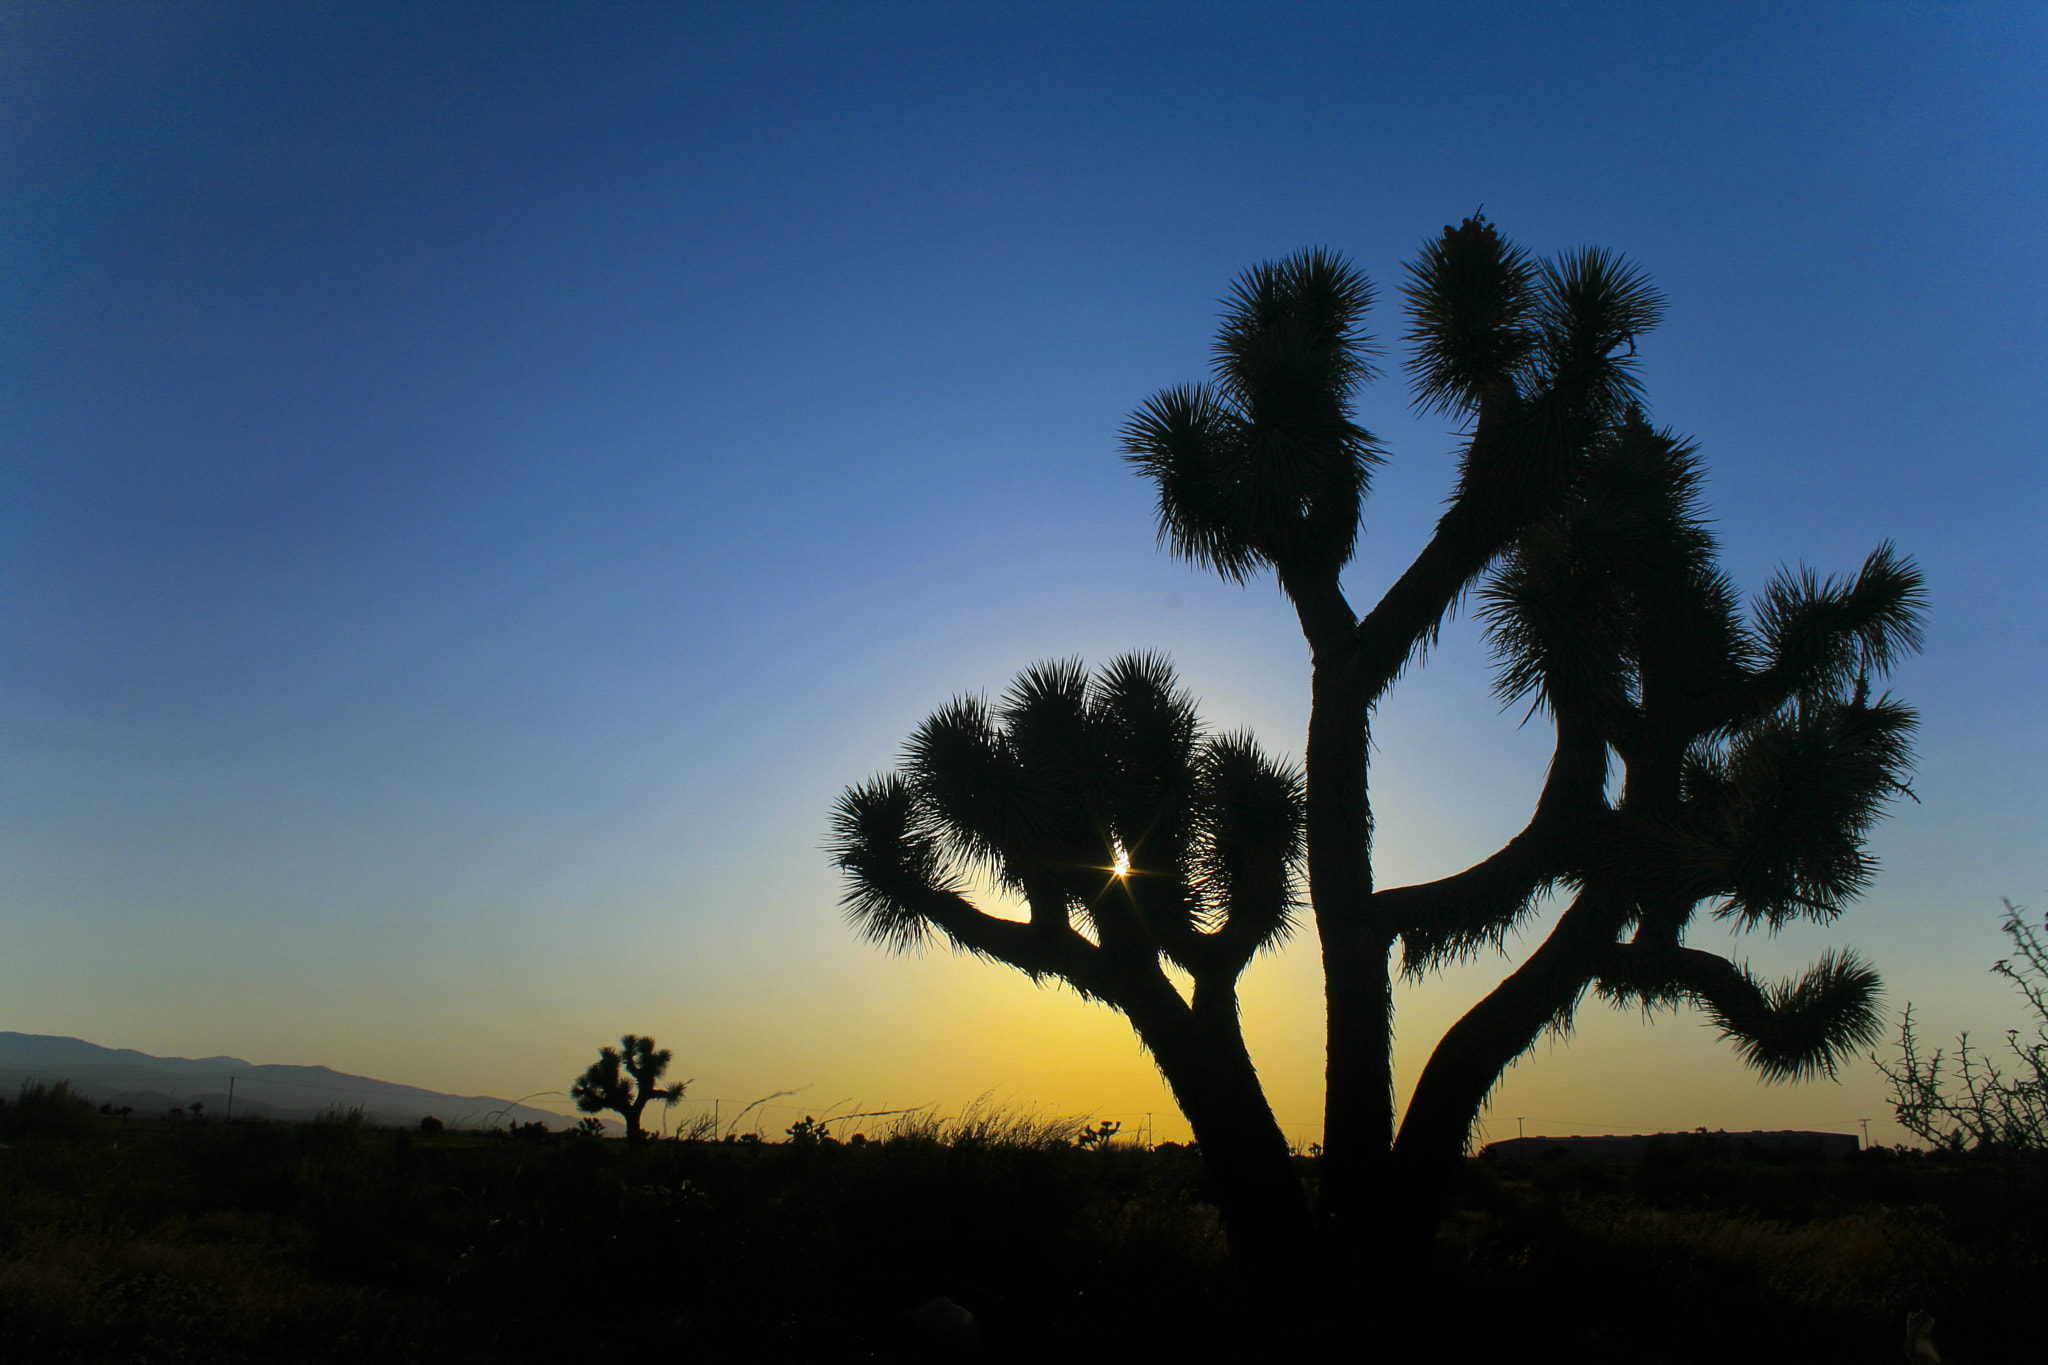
x=984 y=1123
x=1815 y=1264
x=206 y=1289
x=329 y=1242
x=1860 y=1262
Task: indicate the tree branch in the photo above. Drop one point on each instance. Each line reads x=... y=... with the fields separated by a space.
x=1327 y=620
x=1786 y=1032
x=1411 y=612
x=1029 y=947
x=1469 y=1059
x=1453 y=916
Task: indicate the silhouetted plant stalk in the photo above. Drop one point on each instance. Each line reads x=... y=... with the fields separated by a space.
x=1978 y=1106
x=1754 y=757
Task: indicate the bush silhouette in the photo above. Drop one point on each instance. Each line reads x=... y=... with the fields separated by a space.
x=43 y=1109
x=1977 y=1105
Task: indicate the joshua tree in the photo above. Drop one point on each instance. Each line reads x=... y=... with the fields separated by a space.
x=624 y=1079
x=1724 y=730
x=1754 y=757
x=1266 y=468
x=1134 y=842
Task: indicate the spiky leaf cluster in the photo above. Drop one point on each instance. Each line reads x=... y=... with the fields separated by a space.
x=1789 y=1030
x=1807 y=1026
x=1757 y=761
x=1824 y=635
x=1044 y=791
x=1472 y=309
x=1265 y=465
x=1788 y=803
x=1572 y=609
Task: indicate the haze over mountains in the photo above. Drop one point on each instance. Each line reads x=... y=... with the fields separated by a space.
x=151 y=1086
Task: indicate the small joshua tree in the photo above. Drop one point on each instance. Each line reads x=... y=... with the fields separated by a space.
x=1097 y=1137
x=625 y=1079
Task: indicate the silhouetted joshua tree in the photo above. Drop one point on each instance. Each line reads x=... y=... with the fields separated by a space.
x=625 y=1079
x=1754 y=757
x=1134 y=842
x=1755 y=761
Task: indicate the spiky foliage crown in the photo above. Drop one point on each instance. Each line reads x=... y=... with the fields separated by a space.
x=1044 y=791
x=1265 y=465
x=1758 y=759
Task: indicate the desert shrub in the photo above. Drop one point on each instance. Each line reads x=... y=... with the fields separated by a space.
x=810 y=1132
x=336 y=1131
x=1976 y=1100
x=227 y=1242
x=49 y=1111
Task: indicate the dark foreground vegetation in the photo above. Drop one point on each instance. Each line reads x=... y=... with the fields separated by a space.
x=143 y=1241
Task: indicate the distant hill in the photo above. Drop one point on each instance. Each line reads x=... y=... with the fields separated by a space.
x=152 y=1085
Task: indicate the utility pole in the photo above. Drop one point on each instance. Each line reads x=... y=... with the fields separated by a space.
x=1518 y=1127
x=1866 y=1133
x=231 y=1106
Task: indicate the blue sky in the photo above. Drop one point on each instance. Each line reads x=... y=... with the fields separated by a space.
x=476 y=482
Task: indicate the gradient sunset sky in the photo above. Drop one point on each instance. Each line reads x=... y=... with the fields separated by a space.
x=477 y=481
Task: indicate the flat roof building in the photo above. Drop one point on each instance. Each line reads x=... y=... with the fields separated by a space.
x=1714 y=1146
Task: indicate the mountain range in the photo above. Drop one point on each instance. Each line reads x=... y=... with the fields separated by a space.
x=152 y=1086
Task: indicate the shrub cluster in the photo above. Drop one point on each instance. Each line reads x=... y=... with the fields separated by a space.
x=331 y=1240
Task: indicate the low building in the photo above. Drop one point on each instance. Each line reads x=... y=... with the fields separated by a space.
x=1699 y=1145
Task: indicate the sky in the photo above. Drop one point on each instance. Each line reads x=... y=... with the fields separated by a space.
x=477 y=483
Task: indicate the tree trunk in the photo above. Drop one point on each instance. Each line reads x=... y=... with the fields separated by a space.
x=1359 y=1080
x=1471 y=1058
x=1258 y=1196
